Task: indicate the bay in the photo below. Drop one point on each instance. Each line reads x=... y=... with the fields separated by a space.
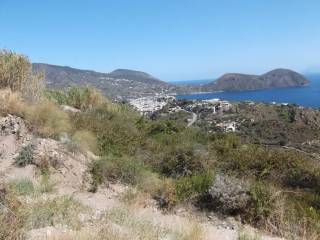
x=307 y=96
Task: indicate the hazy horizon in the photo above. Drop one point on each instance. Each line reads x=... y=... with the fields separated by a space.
x=172 y=40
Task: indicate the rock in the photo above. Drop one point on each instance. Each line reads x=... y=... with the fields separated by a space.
x=12 y=125
x=48 y=153
x=67 y=108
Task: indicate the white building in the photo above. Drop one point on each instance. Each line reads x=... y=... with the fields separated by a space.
x=227 y=126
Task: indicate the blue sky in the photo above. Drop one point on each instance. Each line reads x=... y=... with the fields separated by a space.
x=171 y=39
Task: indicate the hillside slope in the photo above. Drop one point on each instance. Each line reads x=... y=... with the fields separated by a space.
x=273 y=79
x=62 y=208
x=120 y=84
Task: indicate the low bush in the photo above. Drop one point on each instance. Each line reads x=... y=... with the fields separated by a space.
x=85 y=140
x=47 y=119
x=230 y=195
x=44 y=118
x=45 y=186
x=166 y=195
x=163 y=127
x=289 y=168
x=177 y=161
x=25 y=156
x=150 y=182
x=60 y=210
x=222 y=144
x=22 y=187
x=193 y=186
x=115 y=129
x=262 y=202
x=11 y=103
x=112 y=168
x=83 y=98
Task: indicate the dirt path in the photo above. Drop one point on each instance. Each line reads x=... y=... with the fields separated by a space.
x=193 y=120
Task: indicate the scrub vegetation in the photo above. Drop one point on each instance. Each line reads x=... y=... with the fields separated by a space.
x=274 y=189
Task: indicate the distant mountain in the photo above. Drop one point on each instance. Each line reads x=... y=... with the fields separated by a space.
x=121 y=84
x=135 y=76
x=273 y=79
x=125 y=84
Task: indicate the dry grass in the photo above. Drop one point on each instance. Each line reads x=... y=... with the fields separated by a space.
x=12 y=216
x=45 y=117
x=49 y=120
x=16 y=74
x=85 y=140
x=83 y=98
x=11 y=102
x=145 y=227
x=58 y=211
x=104 y=232
x=284 y=221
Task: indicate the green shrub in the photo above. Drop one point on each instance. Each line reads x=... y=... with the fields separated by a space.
x=60 y=210
x=163 y=127
x=177 y=161
x=223 y=143
x=192 y=186
x=25 y=156
x=112 y=168
x=22 y=187
x=114 y=128
x=289 y=168
x=85 y=140
x=45 y=186
x=83 y=98
x=263 y=202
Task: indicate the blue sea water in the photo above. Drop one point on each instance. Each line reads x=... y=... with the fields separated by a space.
x=192 y=82
x=307 y=96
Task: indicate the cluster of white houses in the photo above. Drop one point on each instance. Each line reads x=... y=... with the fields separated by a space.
x=147 y=105
x=213 y=105
x=151 y=104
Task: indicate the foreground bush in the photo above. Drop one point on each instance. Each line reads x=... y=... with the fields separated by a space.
x=11 y=103
x=47 y=119
x=16 y=74
x=12 y=216
x=286 y=167
x=124 y=169
x=192 y=186
x=83 y=98
x=44 y=118
x=25 y=156
x=230 y=195
x=60 y=210
x=114 y=128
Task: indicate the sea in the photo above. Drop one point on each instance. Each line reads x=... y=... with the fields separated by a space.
x=307 y=96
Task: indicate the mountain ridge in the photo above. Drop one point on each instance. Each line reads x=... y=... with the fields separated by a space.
x=120 y=84
x=126 y=84
x=273 y=79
